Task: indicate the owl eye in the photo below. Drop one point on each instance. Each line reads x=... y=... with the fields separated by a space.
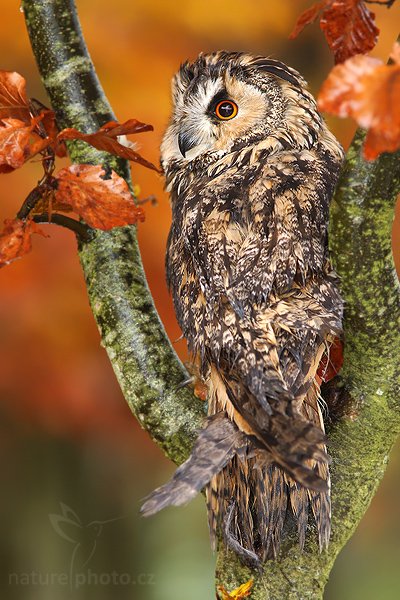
x=226 y=109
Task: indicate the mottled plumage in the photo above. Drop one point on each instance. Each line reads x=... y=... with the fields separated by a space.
x=254 y=293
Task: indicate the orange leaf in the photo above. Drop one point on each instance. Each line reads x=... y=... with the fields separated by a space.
x=348 y=25
x=102 y=203
x=50 y=126
x=18 y=143
x=243 y=591
x=15 y=105
x=106 y=138
x=14 y=102
x=15 y=239
x=367 y=90
x=200 y=390
x=331 y=362
x=349 y=28
x=114 y=129
x=14 y=143
x=307 y=17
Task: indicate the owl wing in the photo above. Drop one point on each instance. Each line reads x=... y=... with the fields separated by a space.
x=218 y=442
x=259 y=252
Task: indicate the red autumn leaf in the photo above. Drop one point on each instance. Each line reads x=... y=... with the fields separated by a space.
x=307 y=17
x=15 y=122
x=102 y=203
x=50 y=127
x=349 y=28
x=14 y=102
x=15 y=239
x=21 y=126
x=106 y=138
x=200 y=390
x=348 y=25
x=18 y=143
x=14 y=142
x=368 y=91
x=114 y=129
x=331 y=363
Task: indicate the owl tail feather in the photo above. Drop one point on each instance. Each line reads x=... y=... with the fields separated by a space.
x=251 y=505
x=249 y=496
x=217 y=443
x=253 y=499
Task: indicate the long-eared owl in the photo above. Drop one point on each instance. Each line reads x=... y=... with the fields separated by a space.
x=251 y=167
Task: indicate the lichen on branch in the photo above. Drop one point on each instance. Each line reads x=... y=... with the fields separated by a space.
x=146 y=366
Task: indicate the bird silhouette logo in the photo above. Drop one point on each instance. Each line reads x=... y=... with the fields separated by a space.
x=83 y=536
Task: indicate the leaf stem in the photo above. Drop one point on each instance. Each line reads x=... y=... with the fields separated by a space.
x=84 y=232
x=30 y=202
x=48 y=184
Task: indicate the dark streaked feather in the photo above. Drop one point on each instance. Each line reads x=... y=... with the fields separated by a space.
x=248 y=557
x=217 y=443
x=321 y=508
x=249 y=500
x=298 y=496
x=278 y=500
x=275 y=67
x=255 y=296
x=290 y=441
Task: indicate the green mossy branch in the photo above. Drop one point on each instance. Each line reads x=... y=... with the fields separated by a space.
x=360 y=441
x=148 y=369
x=145 y=364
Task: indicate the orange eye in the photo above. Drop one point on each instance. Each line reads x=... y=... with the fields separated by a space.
x=226 y=109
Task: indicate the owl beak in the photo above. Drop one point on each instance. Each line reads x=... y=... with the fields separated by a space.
x=185 y=142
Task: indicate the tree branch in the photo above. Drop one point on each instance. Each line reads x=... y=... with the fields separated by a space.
x=146 y=365
x=360 y=441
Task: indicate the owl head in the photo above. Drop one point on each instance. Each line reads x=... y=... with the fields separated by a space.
x=226 y=101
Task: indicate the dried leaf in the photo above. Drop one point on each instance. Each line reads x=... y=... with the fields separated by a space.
x=343 y=89
x=200 y=390
x=243 y=591
x=348 y=25
x=14 y=102
x=307 y=17
x=18 y=143
x=349 y=28
x=114 y=129
x=22 y=134
x=14 y=143
x=368 y=91
x=15 y=239
x=102 y=203
x=106 y=138
x=50 y=127
x=331 y=362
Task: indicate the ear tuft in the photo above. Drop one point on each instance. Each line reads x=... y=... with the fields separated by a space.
x=279 y=69
x=186 y=73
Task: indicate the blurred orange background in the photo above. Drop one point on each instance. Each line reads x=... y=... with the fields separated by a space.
x=67 y=435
